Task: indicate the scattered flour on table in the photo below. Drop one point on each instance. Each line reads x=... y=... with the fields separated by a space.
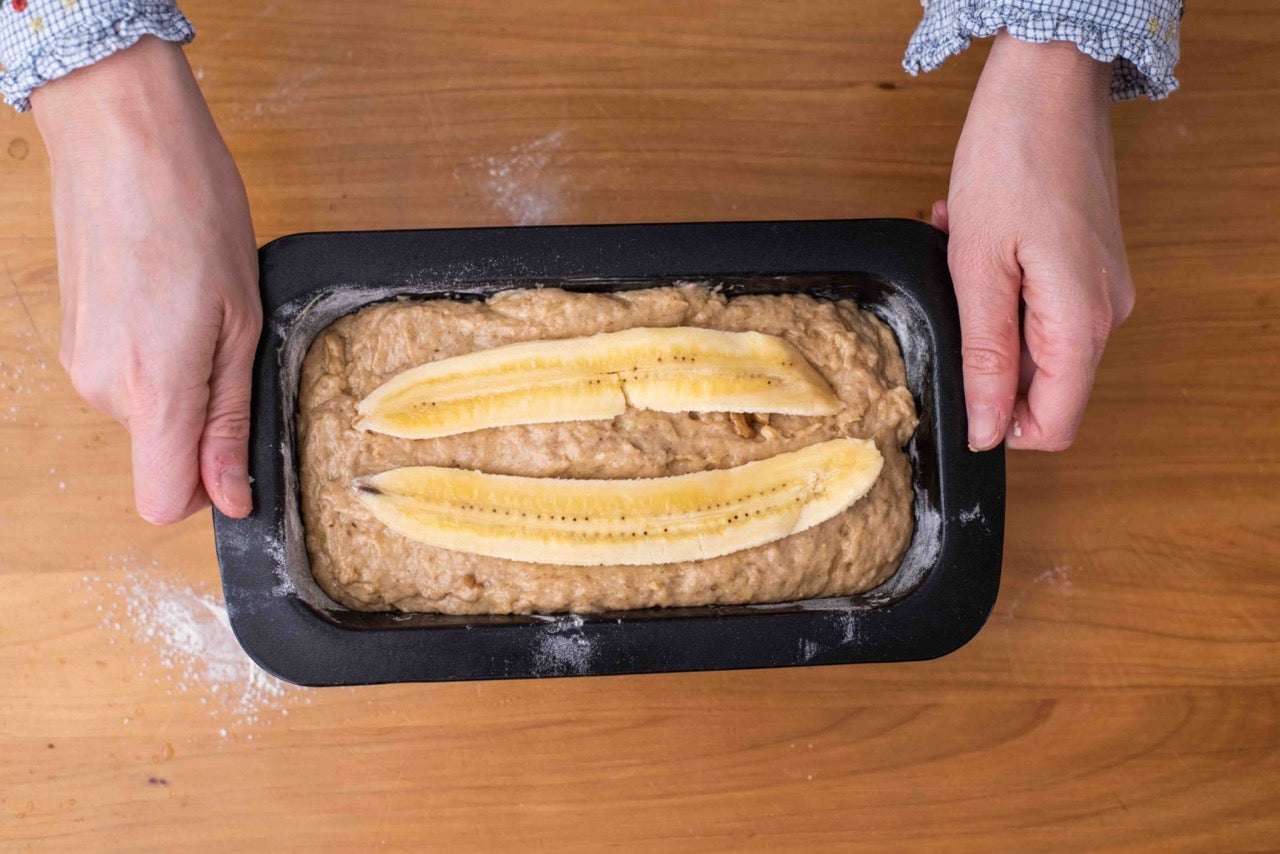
x=523 y=183
x=187 y=643
x=1057 y=580
x=25 y=373
x=287 y=93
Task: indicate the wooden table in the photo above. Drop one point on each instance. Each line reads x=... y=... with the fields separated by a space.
x=1125 y=693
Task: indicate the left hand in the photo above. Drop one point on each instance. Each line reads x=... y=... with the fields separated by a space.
x=158 y=273
x=1033 y=215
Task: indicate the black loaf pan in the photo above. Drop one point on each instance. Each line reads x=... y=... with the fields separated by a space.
x=935 y=602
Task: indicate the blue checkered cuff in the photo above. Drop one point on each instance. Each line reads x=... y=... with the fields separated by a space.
x=41 y=40
x=1139 y=37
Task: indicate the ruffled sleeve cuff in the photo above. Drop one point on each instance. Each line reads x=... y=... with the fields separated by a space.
x=1138 y=37
x=41 y=40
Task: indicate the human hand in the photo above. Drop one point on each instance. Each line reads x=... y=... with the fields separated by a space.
x=1032 y=212
x=158 y=273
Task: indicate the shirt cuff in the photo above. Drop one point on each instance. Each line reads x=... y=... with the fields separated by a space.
x=1139 y=37
x=44 y=41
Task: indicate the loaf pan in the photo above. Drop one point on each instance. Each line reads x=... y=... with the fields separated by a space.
x=935 y=602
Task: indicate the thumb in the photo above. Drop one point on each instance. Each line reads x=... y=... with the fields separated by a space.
x=987 y=288
x=224 y=445
x=938 y=216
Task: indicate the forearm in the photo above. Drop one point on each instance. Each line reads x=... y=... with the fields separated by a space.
x=42 y=41
x=143 y=95
x=1137 y=39
x=1054 y=72
x=1050 y=91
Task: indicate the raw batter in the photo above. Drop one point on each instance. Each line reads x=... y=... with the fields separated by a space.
x=365 y=566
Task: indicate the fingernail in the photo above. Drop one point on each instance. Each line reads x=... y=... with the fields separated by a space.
x=984 y=426
x=234 y=483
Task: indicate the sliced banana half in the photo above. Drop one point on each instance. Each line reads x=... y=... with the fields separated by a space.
x=677 y=369
x=624 y=522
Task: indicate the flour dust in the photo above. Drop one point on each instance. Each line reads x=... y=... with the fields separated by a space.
x=187 y=644
x=526 y=182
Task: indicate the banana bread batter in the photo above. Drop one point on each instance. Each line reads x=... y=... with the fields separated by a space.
x=363 y=565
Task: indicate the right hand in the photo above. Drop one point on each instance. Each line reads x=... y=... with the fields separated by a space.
x=158 y=273
x=1036 y=250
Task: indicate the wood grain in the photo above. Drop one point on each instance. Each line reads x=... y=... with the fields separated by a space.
x=1124 y=695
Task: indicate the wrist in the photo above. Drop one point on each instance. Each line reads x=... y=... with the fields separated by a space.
x=1056 y=71
x=141 y=91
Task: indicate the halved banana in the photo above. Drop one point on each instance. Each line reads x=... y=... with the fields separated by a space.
x=676 y=369
x=623 y=522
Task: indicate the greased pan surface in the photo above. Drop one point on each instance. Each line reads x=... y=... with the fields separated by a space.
x=934 y=603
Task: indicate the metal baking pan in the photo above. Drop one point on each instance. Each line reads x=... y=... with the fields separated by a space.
x=936 y=601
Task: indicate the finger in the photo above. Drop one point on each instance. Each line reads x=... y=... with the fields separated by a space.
x=1027 y=365
x=938 y=216
x=199 y=501
x=165 y=434
x=224 y=445
x=987 y=295
x=1066 y=348
x=1026 y=370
